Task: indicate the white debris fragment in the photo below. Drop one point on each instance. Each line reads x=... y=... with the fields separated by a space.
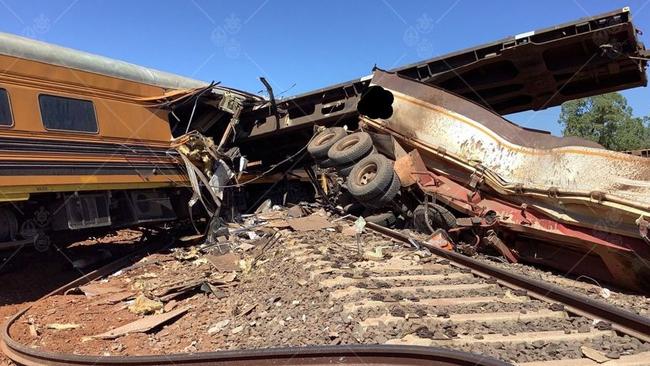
x=360 y=224
x=219 y=326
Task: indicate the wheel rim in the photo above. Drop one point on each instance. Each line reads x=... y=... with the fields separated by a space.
x=367 y=174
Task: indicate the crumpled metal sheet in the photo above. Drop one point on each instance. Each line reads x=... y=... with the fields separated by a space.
x=203 y=165
x=518 y=157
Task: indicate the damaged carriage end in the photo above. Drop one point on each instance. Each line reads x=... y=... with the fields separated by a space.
x=211 y=168
x=505 y=188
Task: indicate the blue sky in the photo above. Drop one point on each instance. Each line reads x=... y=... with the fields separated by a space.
x=297 y=45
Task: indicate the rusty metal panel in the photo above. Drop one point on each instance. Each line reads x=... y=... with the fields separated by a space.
x=581 y=178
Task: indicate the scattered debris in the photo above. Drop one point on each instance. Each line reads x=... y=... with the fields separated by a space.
x=245 y=247
x=94 y=289
x=246 y=265
x=512 y=297
x=277 y=294
x=191 y=254
x=142 y=325
x=170 y=306
x=63 y=326
x=295 y=211
x=309 y=223
x=208 y=288
x=359 y=226
x=246 y=310
x=374 y=255
x=594 y=354
x=224 y=263
x=144 y=305
x=33 y=330
x=441 y=239
x=219 y=326
x=114 y=298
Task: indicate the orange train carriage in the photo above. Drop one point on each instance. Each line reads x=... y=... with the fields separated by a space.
x=81 y=144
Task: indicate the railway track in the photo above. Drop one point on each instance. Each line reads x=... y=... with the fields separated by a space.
x=449 y=300
x=404 y=299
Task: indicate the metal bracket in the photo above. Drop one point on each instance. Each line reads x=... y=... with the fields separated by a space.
x=597 y=196
x=553 y=192
x=525 y=220
x=474 y=197
x=493 y=240
x=519 y=188
x=229 y=103
x=433 y=182
x=477 y=177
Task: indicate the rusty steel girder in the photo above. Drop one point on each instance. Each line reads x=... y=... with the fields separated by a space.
x=564 y=202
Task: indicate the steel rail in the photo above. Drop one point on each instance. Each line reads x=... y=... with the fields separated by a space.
x=357 y=354
x=620 y=319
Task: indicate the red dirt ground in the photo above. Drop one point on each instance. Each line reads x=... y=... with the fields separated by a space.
x=27 y=274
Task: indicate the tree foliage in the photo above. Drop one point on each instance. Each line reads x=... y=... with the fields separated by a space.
x=606 y=119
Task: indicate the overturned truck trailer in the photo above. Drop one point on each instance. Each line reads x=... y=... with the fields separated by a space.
x=563 y=202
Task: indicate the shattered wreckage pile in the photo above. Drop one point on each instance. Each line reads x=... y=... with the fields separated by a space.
x=408 y=149
x=302 y=277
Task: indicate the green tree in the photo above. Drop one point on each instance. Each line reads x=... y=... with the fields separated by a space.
x=606 y=119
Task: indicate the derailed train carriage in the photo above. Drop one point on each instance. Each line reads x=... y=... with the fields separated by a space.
x=86 y=142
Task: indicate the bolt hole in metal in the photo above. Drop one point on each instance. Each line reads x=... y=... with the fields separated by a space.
x=367 y=174
x=348 y=144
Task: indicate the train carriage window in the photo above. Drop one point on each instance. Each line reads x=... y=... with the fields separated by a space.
x=5 y=109
x=60 y=113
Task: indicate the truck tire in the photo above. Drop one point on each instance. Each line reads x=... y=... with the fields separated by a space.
x=388 y=196
x=350 y=149
x=371 y=177
x=344 y=171
x=386 y=219
x=323 y=141
x=439 y=218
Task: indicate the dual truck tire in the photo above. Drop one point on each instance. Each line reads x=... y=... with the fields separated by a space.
x=370 y=177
